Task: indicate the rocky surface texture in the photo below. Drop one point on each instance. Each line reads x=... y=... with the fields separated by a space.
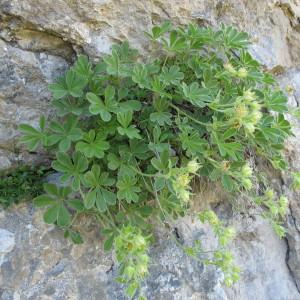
x=38 y=40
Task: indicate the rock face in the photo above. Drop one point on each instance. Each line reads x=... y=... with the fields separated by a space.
x=38 y=41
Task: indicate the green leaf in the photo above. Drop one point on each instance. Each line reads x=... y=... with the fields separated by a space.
x=131 y=289
x=196 y=95
x=72 y=84
x=159 y=183
x=97 y=195
x=140 y=75
x=63 y=216
x=171 y=75
x=114 y=162
x=128 y=189
x=83 y=67
x=124 y=118
x=176 y=43
x=72 y=168
x=232 y=149
x=96 y=178
x=33 y=137
x=90 y=199
x=108 y=244
x=228 y=183
x=130 y=105
x=76 y=204
x=50 y=216
x=76 y=237
x=234 y=39
x=98 y=107
x=108 y=197
x=162 y=118
x=43 y=200
x=65 y=133
x=131 y=132
x=158 y=31
x=117 y=65
x=92 y=145
x=192 y=143
x=277 y=101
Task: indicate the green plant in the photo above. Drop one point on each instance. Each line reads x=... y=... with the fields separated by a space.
x=21 y=184
x=131 y=135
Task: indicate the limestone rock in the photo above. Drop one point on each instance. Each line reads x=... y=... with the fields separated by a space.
x=43 y=265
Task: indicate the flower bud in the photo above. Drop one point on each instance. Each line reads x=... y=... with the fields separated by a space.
x=255 y=116
x=246 y=171
x=129 y=271
x=228 y=67
x=142 y=270
x=249 y=95
x=140 y=241
x=283 y=202
x=255 y=105
x=184 y=195
x=193 y=166
x=241 y=111
x=250 y=127
x=183 y=181
x=269 y=194
x=242 y=73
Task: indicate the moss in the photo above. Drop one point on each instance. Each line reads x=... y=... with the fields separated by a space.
x=21 y=184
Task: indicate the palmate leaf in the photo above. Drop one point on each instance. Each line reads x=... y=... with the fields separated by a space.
x=83 y=67
x=234 y=39
x=98 y=195
x=158 y=31
x=65 y=133
x=276 y=101
x=130 y=106
x=161 y=118
x=114 y=162
x=65 y=107
x=131 y=132
x=233 y=150
x=98 y=107
x=140 y=75
x=128 y=189
x=56 y=201
x=33 y=137
x=119 y=62
x=73 y=168
x=171 y=75
x=176 y=43
x=192 y=143
x=196 y=95
x=101 y=198
x=92 y=145
x=72 y=84
x=95 y=178
x=106 y=107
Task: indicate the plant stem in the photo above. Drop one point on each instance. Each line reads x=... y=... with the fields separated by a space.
x=187 y=115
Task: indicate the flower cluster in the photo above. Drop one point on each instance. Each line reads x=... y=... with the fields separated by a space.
x=222 y=257
x=245 y=176
x=246 y=112
x=240 y=73
x=131 y=253
x=181 y=178
x=276 y=209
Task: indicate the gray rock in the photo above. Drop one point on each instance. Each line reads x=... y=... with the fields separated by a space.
x=7 y=243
